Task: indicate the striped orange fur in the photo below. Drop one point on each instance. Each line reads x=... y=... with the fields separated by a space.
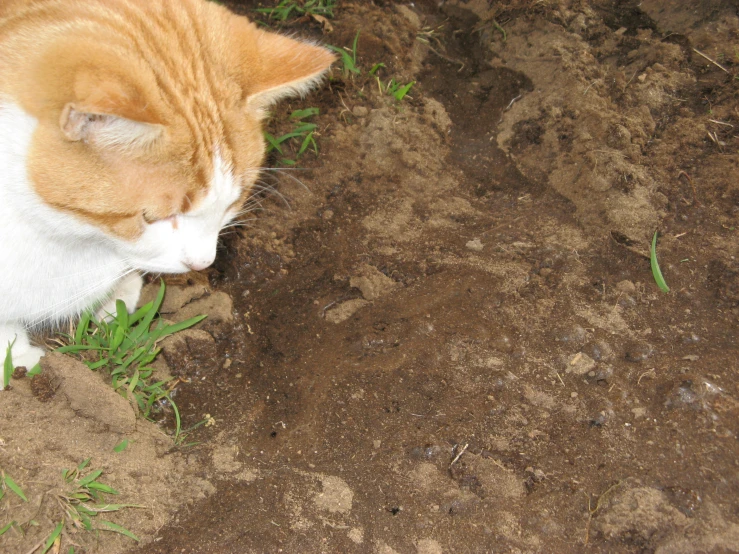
x=193 y=76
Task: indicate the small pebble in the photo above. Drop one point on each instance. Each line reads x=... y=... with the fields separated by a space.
x=580 y=364
x=474 y=245
x=360 y=111
x=627 y=287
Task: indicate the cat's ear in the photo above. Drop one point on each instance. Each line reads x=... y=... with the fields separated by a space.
x=275 y=66
x=107 y=118
x=106 y=131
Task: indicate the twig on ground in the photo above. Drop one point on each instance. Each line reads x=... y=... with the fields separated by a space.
x=714 y=62
x=459 y=455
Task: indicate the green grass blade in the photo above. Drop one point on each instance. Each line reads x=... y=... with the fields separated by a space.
x=300 y=129
x=121 y=446
x=656 y=271
x=74 y=348
x=141 y=312
x=401 y=92
x=302 y=114
x=5 y=529
x=90 y=478
x=8 y=365
x=82 y=327
x=149 y=317
x=376 y=67
x=177 y=327
x=121 y=313
x=178 y=421
x=54 y=534
x=306 y=143
x=14 y=487
x=102 y=487
x=354 y=49
x=35 y=370
x=118 y=529
x=274 y=144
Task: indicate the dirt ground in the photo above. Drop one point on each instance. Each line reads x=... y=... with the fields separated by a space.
x=451 y=340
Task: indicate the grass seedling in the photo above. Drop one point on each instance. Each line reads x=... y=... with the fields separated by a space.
x=302 y=131
x=298 y=8
x=81 y=499
x=7 y=483
x=398 y=90
x=656 y=271
x=376 y=68
x=8 y=365
x=125 y=346
x=348 y=57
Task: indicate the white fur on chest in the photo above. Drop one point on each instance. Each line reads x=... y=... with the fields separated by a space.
x=52 y=266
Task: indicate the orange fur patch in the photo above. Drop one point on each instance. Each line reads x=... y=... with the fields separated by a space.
x=135 y=97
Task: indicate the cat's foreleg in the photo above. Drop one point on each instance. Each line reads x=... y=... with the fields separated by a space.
x=23 y=353
x=127 y=289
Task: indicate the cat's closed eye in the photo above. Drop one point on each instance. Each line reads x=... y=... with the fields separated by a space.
x=149 y=219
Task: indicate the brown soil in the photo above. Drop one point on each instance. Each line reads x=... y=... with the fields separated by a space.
x=451 y=341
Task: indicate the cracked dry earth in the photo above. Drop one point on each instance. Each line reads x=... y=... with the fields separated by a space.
x=451 y=341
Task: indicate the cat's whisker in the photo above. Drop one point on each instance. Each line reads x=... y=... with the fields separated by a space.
x=241 y=223
x=294 y=179
x=272 y=191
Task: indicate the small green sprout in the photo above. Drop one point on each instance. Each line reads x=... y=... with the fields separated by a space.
x=656 y=272
x=398 y=90
x=8 y=365
x=376 y=68
x=302 y=130
x=6 y=482
x=348 y=57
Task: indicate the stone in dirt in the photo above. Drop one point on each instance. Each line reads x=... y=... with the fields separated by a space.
x=372 y=282
x=580 y=364
x=345 y=310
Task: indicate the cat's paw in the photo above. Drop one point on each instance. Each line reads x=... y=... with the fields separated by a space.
x=27 y=357
x=127 y=289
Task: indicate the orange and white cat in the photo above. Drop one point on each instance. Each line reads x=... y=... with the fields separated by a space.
x=130 y=134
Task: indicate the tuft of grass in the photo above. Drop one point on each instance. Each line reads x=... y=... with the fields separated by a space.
x=125 y=346
x=303 y=131
x=81 y=500
x=295 y=8
x=348 y=57
x=656 y=271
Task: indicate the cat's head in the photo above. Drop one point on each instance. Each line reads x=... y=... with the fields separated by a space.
x=149 y=120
